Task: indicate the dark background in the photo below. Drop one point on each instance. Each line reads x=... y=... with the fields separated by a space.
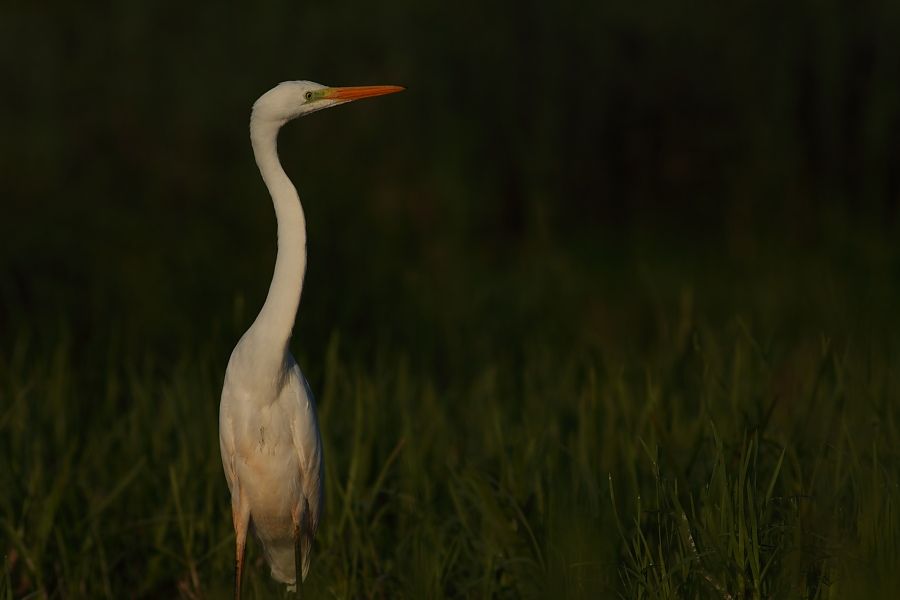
x=596 y=257
x=555 y=171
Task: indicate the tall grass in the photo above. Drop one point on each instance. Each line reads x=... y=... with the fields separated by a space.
x=719 y=468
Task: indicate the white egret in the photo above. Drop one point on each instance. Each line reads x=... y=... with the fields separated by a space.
x=268 y=432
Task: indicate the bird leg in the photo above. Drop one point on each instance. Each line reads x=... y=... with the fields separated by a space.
x=241 y=517
x=298 y=560
x=301 y=530
x=307 y=521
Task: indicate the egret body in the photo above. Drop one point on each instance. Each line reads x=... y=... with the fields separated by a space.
x=268 y=432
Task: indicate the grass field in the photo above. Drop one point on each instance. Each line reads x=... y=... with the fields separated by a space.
x=603 y=305
x=677 y=426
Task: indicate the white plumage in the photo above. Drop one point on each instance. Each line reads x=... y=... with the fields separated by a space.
x=268 y=431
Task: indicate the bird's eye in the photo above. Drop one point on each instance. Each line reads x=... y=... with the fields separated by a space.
x=308 y=96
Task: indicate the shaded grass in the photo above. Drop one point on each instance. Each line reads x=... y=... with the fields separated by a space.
x=689 y=424
x=719 y=469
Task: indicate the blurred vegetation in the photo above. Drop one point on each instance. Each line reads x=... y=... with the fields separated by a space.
x=646 y=240
x=582 y=134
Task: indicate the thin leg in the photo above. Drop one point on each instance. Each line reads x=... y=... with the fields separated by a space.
x=238 y=568
x=298 y=560
x=301 y=533
x=241 y=516
x=307 y=521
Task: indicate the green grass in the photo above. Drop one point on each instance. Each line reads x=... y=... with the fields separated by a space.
x=604 y=305
x=716 y=430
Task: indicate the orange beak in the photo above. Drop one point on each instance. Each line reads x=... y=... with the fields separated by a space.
x=362 y=91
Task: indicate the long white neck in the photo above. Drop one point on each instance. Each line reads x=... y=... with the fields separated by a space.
x=271 y=331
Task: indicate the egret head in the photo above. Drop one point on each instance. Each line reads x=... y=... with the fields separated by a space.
x=291 y=99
